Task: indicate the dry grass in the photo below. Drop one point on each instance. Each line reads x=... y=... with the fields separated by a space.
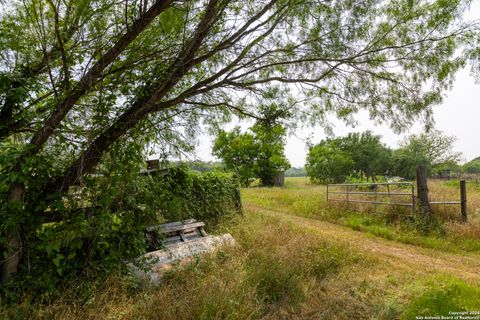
x=275 y=271
x=302 y=198
x=278 y=270
x=444 y=190
x=284 y=269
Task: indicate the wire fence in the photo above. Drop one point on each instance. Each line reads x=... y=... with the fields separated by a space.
x=388 y=193
x=400 y=194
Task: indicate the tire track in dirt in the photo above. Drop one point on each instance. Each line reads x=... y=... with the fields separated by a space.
x=399 y=254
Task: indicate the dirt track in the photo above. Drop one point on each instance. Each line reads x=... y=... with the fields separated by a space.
x=393 y=252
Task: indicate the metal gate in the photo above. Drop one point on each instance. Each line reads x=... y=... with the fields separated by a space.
x=396 y=191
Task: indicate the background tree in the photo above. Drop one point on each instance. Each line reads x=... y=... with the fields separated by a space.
x=432 y=149
x=362 y=154
x=259 y=153
x=238 y=152
x=370 y=156
x=473 y=166
x=326 y=162
x=270 y=136
x=203 y=166
x=80 y=79
x=296 y=172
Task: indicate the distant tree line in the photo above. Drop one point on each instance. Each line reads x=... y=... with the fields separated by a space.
x=296 y=172
x=201 y=166
x=364 y=156
x=472 y=166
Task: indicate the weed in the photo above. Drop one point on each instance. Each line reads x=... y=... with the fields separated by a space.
x=444 y=296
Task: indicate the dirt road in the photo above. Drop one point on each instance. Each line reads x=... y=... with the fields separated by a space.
x=393 y=252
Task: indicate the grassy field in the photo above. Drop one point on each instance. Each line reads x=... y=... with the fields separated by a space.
x=301 y=198
x=297 y=259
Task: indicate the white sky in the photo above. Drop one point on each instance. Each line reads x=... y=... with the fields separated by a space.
x=458 y=115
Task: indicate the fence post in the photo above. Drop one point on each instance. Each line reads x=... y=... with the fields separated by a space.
x=463 y=199
x=327 y=194
x=413 y=198
x=237 y=199
x=422 y=191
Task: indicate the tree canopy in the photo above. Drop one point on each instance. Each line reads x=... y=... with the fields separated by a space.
x=84 y=81
x=326 y=162
x=472 y=166
x=363 y=154
x=370 y=156
x=258 y=153
x=432 y=149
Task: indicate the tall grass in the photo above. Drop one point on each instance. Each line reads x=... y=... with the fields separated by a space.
x=277 y=270
x=446 y=232
x=274 y=271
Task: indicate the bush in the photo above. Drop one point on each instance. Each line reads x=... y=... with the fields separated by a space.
x=90 y=244
x=203 y=196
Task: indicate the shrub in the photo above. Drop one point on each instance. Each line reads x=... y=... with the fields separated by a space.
x=94 y=243
x=203 y=196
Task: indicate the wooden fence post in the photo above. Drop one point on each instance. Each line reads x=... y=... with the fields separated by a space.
x=422 y=191
x=463 y=199
x=327 y=194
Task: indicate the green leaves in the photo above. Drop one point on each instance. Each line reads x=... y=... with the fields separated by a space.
x=335 y=159
x=432 y=149
x=258 y=153
x=326 y=163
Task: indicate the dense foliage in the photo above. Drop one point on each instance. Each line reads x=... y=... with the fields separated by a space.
x=204 y=196
x=434 y=149
x=110 y=230
x=360 y=154
x=364 y=154
x=327 y=163
x=238 y=152
x=472 y=166
x=259 y=153
x=370 y=156
x=84 y=81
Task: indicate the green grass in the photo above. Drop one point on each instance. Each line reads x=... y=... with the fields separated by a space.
x=280 y=269
x=302 y=198
x=444 y=295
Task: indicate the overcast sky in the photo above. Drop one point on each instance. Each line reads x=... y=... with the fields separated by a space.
x=458 y=115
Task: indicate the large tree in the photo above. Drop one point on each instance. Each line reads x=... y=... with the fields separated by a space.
x=362 y=154
x=238 y=152
x=327 y=162
x=432 y=149
x=258 y=153
x=370 y=155
x=79 y=78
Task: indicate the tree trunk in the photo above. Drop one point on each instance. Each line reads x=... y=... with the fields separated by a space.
x=422 y=191
x=14 y=244
x=95 y=72
x=145 y=105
